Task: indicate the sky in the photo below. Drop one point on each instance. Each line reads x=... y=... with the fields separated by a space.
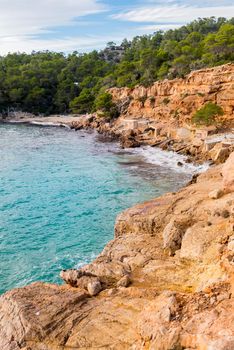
x=84 y=25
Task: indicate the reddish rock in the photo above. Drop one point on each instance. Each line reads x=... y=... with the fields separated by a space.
x=228 y=174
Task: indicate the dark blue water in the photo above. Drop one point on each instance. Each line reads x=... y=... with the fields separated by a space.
x=60 y=192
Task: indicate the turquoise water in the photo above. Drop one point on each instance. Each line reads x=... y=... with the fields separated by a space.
x=60 y=192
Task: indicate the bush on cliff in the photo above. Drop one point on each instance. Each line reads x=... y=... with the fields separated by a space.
x=104 y=104
x=207 y=114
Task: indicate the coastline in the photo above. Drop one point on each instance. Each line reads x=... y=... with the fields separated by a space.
x=70 y=122
x=166 y=280
x=168 y=270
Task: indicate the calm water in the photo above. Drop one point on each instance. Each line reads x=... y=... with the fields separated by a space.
x=60 y=192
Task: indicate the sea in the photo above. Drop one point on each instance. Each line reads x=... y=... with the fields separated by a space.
x=60 y=193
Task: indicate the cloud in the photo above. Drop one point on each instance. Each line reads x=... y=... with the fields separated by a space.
x=22 y=20
x=65 y=44
x=155 y=27
x=173 y=14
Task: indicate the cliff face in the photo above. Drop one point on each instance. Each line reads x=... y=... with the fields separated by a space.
x=166 y=281
x=176 y=100
x=161 y=115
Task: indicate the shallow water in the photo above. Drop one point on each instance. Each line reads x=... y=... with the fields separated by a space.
x=60 y=192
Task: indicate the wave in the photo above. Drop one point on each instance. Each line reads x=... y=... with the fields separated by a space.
x=49 y=124
x=169 y=159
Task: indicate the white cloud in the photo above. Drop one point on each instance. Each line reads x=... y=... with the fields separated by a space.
x=155 y=27
x=22 y=20
x=172 y=14
x=66 y=44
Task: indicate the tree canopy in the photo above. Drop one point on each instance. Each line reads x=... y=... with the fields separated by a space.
x=48 y=82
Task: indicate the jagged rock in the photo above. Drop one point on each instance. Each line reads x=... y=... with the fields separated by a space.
x=154 y=323
x=231 y=245
x=128 y=139
x=173 y=233
x=210 y=329
x=216 y=194
x=79 y=278
x=228 y=174
x=37 y=315
x=94 y=287
x=184 y=96
x=124 y=282
x=219 y=154
x=70 y=276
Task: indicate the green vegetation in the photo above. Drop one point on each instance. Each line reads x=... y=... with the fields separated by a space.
x=46 y=82
x=104 y=104
x=207 y=114
x=142 y=99
x=166 y=100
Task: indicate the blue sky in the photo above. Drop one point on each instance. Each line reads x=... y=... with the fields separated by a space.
x=83 y=25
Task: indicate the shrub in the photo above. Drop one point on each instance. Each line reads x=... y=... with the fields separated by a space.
x=142 y=99
x=152 y=100
x=83 y=103
x=207 y=114
x=166 y=100
x=176 y=114
x=104 y=103
x=201 y=94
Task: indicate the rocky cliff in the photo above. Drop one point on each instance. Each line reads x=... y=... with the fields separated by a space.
x=165 y=282
x=161 y=115
x=175 y=101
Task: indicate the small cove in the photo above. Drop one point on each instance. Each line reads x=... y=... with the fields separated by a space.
x=60 y=192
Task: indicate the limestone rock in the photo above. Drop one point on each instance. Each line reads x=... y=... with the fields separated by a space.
x=219 y=155
x=183 y=97
x=231 y=245
x=211 y=329
x=94 y=287
x=228 y=174
x=124 y=282
x=173 y=233
x=216 y=194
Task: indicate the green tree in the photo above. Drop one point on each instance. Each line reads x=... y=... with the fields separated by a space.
x=83 y=103
x=207 y=115
x=105 y=104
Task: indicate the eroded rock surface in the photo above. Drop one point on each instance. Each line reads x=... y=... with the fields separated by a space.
x=178 y=99
x=177 y=251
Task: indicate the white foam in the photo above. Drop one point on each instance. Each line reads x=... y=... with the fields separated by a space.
x=169 y=159
x=49 y=124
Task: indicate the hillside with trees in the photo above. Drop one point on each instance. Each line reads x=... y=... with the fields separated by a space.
x=48 y=82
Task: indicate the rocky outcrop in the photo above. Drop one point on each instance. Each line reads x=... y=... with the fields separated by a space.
x=165 y=282
x=176 y=100
x=161 y=115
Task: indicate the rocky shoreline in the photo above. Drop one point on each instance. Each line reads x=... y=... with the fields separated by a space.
x=166 y=280
x=161 y=116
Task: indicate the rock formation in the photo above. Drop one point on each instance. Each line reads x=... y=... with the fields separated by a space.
x=161 y=115
x=177 y=100
x=165 y=282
